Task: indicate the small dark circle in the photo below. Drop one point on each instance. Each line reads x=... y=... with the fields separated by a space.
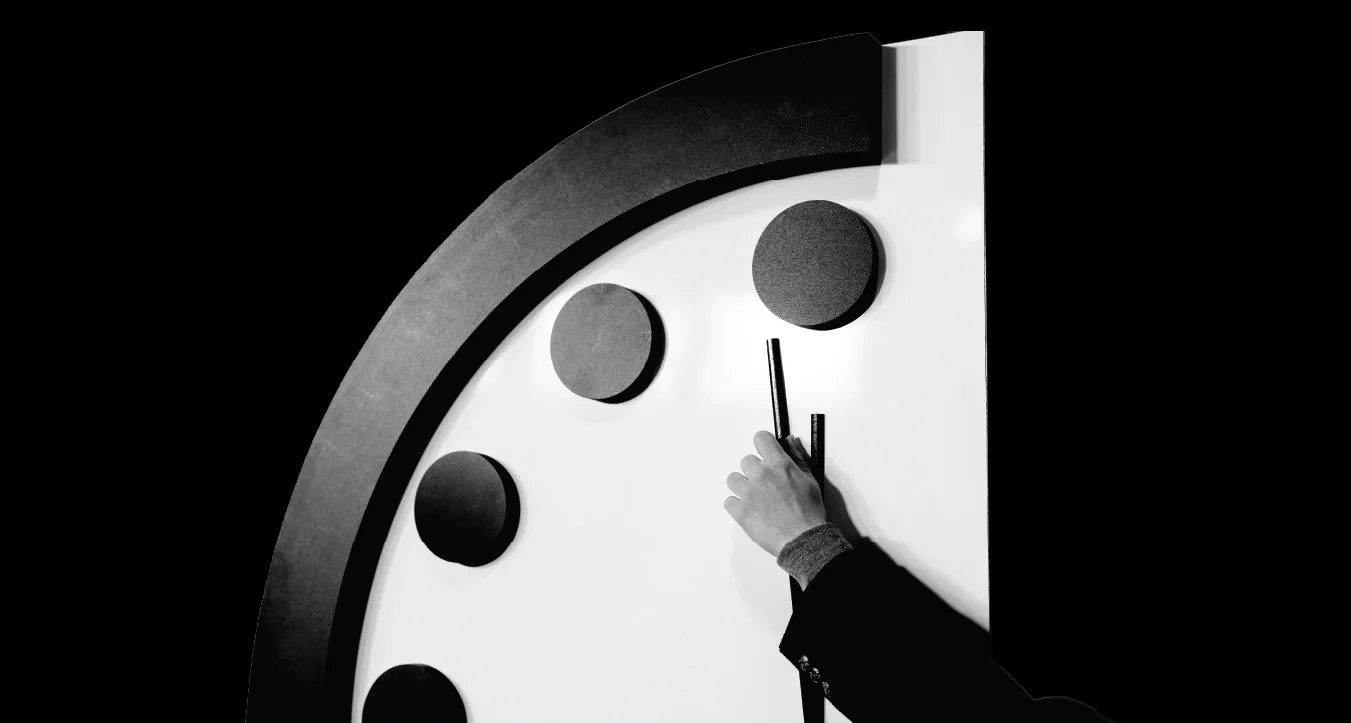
x=467 y=508
x=815 y=263
x=602 y=341
x=413 y=694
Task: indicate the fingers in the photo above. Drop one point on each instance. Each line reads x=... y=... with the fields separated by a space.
x=799 y=453
x=769 y=449
x=751 y=465
x=738 y=484
x=733 y=507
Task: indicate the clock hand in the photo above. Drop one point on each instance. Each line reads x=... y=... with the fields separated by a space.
x=777 y=396
x=813 y=699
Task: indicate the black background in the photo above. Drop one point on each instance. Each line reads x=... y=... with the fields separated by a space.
x=357 y=159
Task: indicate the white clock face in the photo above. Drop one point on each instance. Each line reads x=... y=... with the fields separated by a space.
x=628 y=594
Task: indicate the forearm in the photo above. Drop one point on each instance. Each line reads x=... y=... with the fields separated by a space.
x=883 y=647
x=877 y=641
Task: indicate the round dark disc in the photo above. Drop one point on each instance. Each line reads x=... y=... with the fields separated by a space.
x=814 y=264
x=413 y=694
x=602 y=341
x=467 y=508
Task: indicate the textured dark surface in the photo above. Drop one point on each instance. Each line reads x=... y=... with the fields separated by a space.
x=413 y=694
x=797 y=110
x=467 y=508
x=814 y=263
x=602 y=341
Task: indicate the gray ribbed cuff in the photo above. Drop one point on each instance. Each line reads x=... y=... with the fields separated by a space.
x=807 y=553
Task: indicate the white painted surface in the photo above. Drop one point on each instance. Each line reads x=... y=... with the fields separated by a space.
x=629 y=594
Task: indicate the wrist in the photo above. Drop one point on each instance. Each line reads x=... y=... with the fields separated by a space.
x=805 y=555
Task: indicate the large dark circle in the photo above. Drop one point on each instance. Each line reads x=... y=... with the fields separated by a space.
x=467 y=508
x=602 y=341
x=413 y=694
x=814 y=263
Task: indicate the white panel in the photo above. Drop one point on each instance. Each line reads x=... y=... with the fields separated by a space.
x=629 y=594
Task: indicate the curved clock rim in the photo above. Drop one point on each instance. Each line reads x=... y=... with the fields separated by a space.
x=688 y=142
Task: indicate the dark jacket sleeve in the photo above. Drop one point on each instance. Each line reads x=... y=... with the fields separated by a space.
x=883 y=647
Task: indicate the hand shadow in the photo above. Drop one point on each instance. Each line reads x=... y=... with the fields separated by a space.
x=837 y=511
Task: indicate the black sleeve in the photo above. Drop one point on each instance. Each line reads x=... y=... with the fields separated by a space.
x=883 y=647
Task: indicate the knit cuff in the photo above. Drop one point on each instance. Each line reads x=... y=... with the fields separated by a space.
x=807 y=553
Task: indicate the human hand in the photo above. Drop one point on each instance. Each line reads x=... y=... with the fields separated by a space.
x=776 y=498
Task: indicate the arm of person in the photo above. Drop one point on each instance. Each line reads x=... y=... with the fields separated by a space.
x=881 y=645
x=894 y=649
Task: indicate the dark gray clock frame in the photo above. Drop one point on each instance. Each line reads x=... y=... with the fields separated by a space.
x=787 y=112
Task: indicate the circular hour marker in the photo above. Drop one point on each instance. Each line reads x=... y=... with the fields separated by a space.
x=607 y=343
x=816 y=265
x=467 y=508
x=413 y=694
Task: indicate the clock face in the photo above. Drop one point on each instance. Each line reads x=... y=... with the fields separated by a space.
x=627 y=593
